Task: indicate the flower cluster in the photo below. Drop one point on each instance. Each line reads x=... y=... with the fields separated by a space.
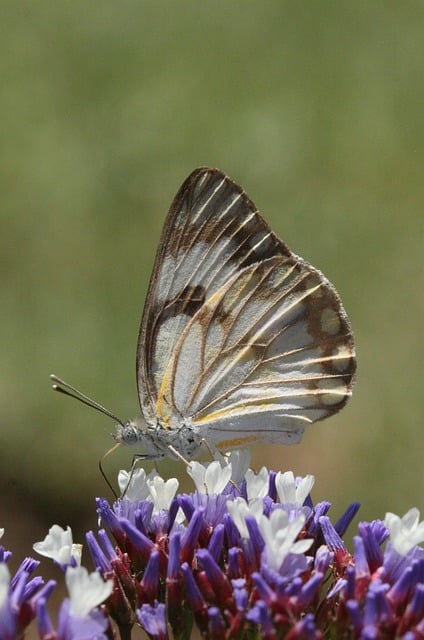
x=23 y=599
x=245 y=555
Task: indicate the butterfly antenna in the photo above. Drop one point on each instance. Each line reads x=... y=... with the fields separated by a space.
x=68 y=390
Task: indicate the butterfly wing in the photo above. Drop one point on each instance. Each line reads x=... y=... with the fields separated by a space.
x=240 y=337
x=269 y=354
x=211 y=232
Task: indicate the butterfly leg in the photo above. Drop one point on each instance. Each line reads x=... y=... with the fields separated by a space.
x=178 y=455
x=137 y=457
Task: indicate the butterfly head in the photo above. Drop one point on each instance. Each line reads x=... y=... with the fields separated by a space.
x=136 y=432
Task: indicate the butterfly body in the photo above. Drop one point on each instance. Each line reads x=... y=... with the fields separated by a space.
x=157 y=442
x=241 y=341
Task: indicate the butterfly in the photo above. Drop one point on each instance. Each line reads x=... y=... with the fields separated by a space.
x=241 y=341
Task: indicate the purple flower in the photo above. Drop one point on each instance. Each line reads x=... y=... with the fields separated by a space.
x=255 y=559
x=79 y=617
x=152 y=618
x=19 y=598
x=381 y=594
x=244 y=555
x=90 y=626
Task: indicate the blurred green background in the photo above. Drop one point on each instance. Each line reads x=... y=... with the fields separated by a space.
x=316 y=108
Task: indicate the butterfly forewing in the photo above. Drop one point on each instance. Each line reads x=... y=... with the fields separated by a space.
x=210 y=233
x=240 y=338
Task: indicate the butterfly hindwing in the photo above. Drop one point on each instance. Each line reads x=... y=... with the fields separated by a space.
x=281 y=357
x=240 y=337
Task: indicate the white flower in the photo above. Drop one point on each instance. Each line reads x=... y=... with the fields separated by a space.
x=86 y=591
x=405 y=532
x=133 y=484
x=162 y=492
x=1 y=533
x=4 y=584
x=257 y=484
x=287 y=490
x=239 y=509
x=280 y=536
x=58 y=545
x=239 y=460
x=212 y=478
